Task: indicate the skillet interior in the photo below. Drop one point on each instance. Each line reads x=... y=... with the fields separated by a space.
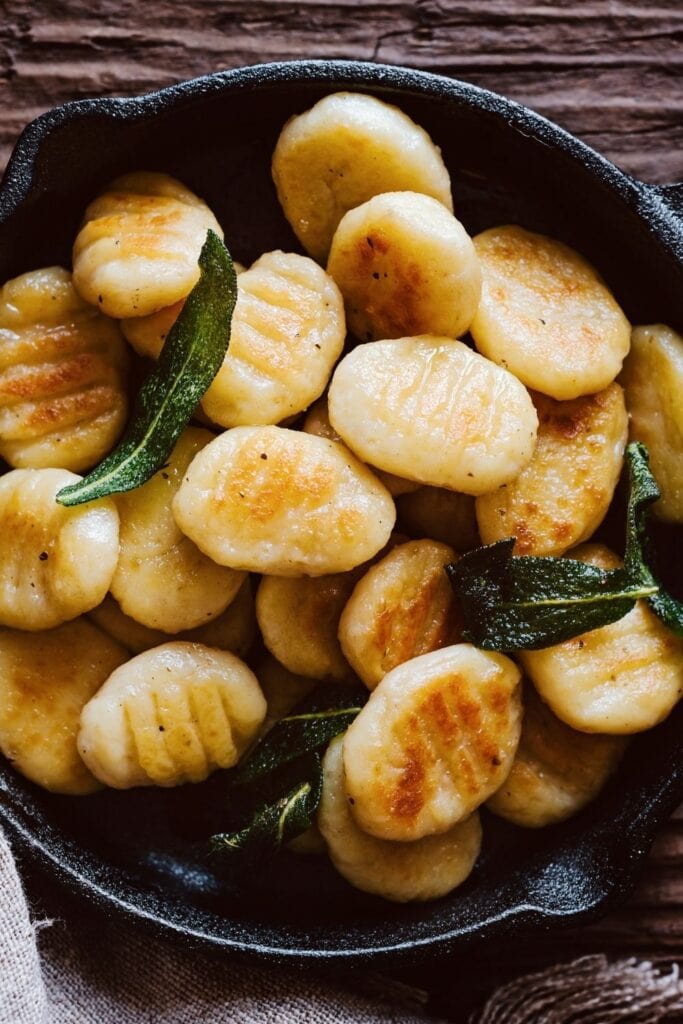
x=136 y=850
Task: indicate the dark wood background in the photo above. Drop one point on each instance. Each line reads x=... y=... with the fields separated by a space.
x=609 y=71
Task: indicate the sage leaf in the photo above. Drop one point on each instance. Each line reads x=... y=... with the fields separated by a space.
x=190 y=359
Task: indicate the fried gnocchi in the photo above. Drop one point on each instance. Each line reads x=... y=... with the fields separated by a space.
x=287 y=333
x=546 y=315
x=138 y=248
x=619 y=679
x=420 y=870
x=169 y=716
x=162 y=579
x=433 y=411
x=561 y=497
x=284 y=503
x=46 y=678
x=55 y=562
x=402 y=607
x=653 y=381
x=405 y=266
x=435 y=740
x=62 y=366
x=442 y=515
x=556 y=771
x=347 y=148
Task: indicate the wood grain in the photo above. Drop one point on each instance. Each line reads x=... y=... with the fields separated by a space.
x=609 y=71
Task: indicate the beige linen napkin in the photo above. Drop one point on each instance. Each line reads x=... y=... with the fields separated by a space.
x=91 y=970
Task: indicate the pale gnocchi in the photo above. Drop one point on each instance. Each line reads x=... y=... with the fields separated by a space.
x=171 y=715
x=63 y=400
x=55 y=562
x=405 y=266
x=344 y=150
x=433 y=411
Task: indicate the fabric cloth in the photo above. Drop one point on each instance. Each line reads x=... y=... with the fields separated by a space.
x=79 y=968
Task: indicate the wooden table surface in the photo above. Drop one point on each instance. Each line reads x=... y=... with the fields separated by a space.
x=609 y=71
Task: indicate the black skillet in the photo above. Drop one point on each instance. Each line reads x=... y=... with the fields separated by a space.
x=138 y=852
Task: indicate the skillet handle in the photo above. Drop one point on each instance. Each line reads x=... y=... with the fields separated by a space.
x=672 y=196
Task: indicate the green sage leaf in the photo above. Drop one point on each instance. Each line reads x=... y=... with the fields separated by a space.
x=190 y=359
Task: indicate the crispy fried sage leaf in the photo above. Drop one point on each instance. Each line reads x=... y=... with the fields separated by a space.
x=190 y=359
x=525 y=603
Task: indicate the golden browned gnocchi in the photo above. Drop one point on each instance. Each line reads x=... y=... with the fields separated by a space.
x=55 y=562
x=287 y=333
x=653 y=381
x=619 y=679
x=282 y=502
x=561 y=497
x=62 y=396
x=440 y=515
x=45 y=680
x=402 y=607
x=557 y=770
x=233 y=630
x=344 y=150
x=138 y=248
x=431 y=410
x=299 y=620
x=420 y=870
x=405 y=266
x=318 y=422
x=162 y=579
x=171 y=715
x=436 y=738
x=546 y=315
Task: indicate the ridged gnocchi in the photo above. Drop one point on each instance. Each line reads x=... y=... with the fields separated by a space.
x=546 y=315
x=433 y=411
x=62 y=368
x=619 y=679
x=169 y=716
x=162 y=579
x=441 y=515
x=436 y=738
x=402 y=607
x=299 y=620
x=55 y=562
x=421 y=870
x=347 y=148
x=45 y=680
x=405 y=266
x=284 y=503
x=138 y=248
x=653 y=381
x=557 y=770
x=233 y=630
x=287 y=333
x=561 y=497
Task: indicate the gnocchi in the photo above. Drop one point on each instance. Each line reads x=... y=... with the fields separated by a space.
x=420 y=870
x=653 y=381
x=138 y=248
x=433 y=411
x=546 y=315
x=619 y=679
x=402 y=607
x=284 y=503
x=282 y=689
x=441 y=515
x=347 y=148
x=437 y=737
x=62 y=366
x=556 y=770
x=55 y=562
x=169 y=716
x=405 y=266
x=46 y=678
x=561 y=497
x=287 y=333
x=162 y=579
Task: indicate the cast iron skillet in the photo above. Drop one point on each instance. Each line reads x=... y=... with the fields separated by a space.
x=138 y=852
